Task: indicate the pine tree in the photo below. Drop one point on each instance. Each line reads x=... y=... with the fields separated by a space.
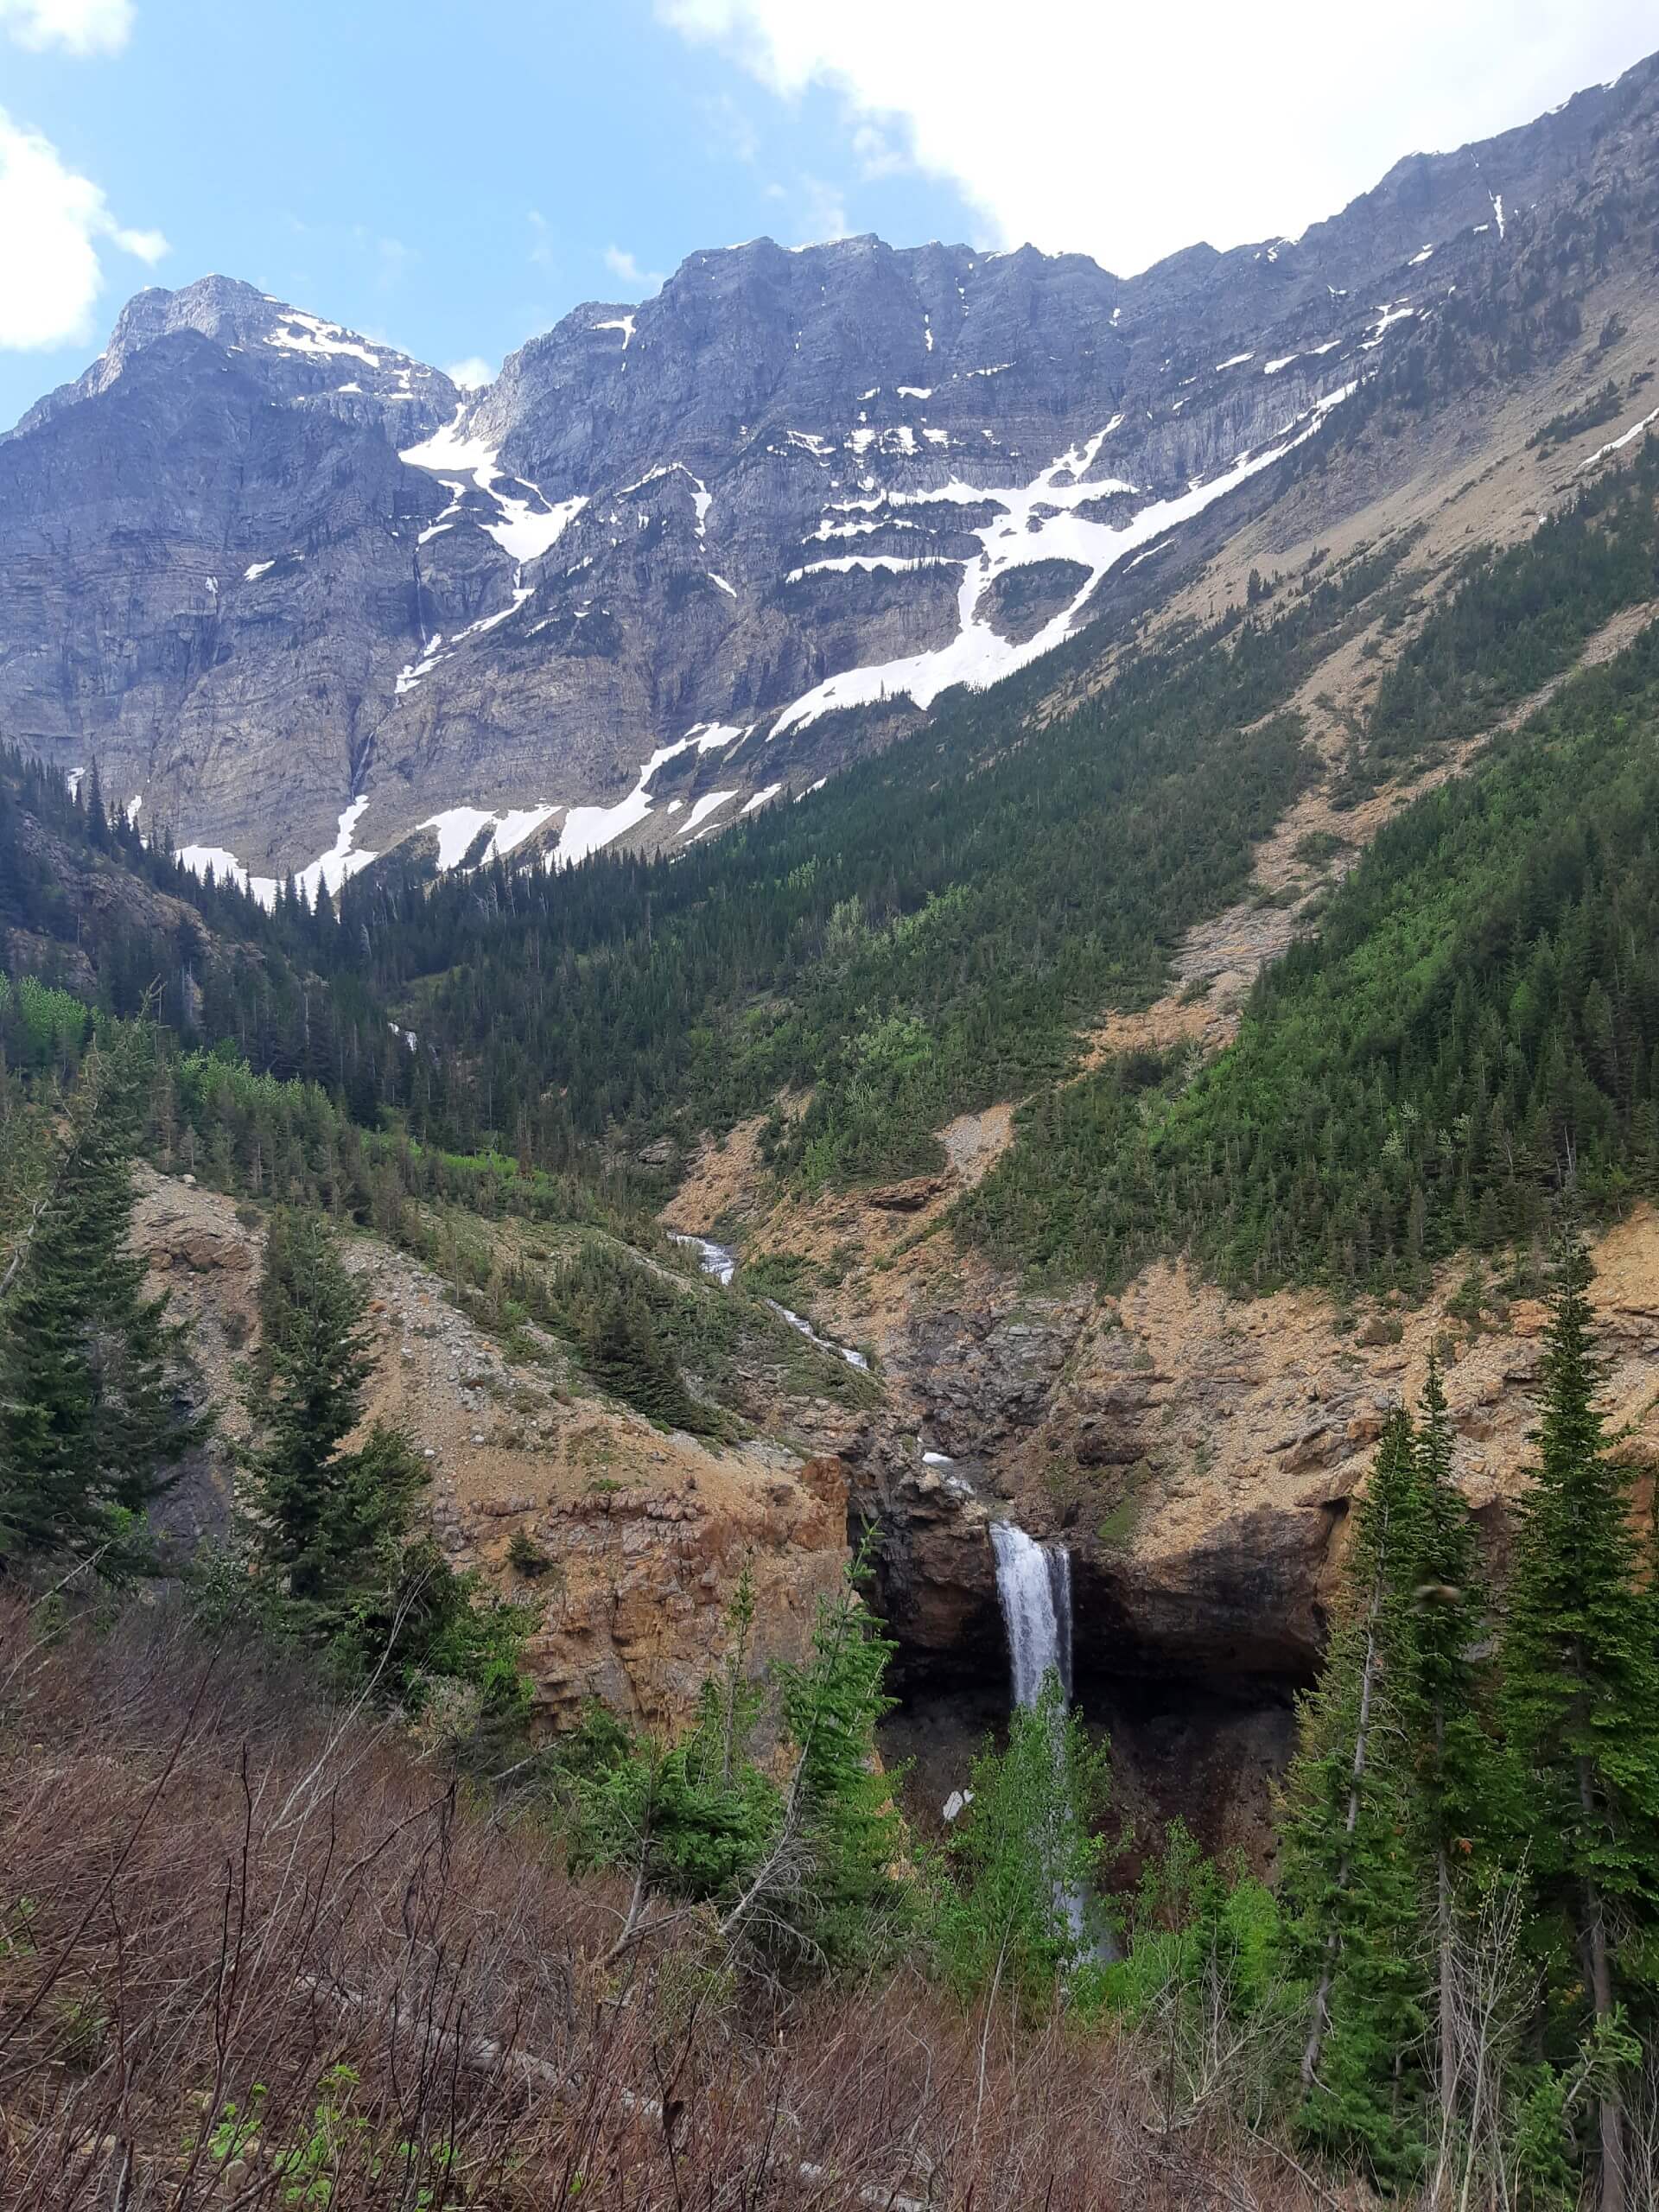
x=328 y=1523
x=92 y=1425
x=1451 y=1755
x=1580 y=1704
x=1349 y=1873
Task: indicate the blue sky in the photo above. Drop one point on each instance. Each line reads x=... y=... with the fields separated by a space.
x=452 y=178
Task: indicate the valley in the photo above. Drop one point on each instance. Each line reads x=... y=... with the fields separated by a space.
x=852 y=1102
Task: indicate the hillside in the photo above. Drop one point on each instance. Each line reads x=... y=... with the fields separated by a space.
x=830 y=1232
x=440 y=2030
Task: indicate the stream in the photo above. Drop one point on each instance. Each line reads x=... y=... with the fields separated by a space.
x=720 y=1262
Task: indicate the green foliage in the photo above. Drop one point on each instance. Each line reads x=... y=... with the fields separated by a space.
x=624 y=1316
x=806 y=1865
x=329 y=1527
x=1203 y=1983
x=1520 y=617
x=1350 y=1883
x=41 y=1029
x=1022 y=1853
x=1443 y=1697
x=831 y=1704
x=92 y=1373
x=526 y=1557
x=327 y=1520
x=1580 y=1695
x=1190 y=1920
x=1475 y=1914
x=1477 y=1018
x=912 y=942
x=693 y=1819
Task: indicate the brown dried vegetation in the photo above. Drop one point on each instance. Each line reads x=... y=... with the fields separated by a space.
x=255 y=1952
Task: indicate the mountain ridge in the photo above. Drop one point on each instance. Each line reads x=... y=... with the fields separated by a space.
x=622 y=591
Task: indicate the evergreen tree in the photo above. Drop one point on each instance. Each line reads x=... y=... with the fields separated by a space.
x=627 y=1357
x=840 y=1804
x=1350 y=1877
x=692 y=1819
x=1022 y=1850
x=1450 y=1756
x=332 y=1529
x=93 y=1423
x=329 y=1524
x=1580 y=1704
x=811 y=1864
x=730 y=1701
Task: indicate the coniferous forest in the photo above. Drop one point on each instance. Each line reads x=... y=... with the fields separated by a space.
x=730 y=1961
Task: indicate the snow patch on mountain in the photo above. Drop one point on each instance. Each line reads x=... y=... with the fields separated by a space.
x=590 y=829
x=329 y=870
x=1034 y=522
x=524 y=531
x=298 y=332
x=1618 y=444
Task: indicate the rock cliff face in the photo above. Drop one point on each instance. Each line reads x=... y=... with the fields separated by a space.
x=1198 y=1455
x=304 y=601
x=641 y=1536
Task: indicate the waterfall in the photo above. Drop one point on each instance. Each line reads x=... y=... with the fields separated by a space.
x=720 y=1262
x=1033 y=1587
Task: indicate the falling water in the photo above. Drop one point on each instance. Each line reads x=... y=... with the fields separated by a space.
x=1033 y=1587
x=720 y=1262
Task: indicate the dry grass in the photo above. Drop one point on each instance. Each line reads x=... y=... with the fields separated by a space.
x=216 y=1891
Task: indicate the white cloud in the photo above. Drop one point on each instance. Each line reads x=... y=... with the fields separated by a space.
x=876 y=155
x=826 y=215
x=471 y=374
x=81 y=26
x=1127 y=133
x=623 y=266
x=52 y=225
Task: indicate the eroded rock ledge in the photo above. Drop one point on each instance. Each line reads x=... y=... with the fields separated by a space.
x=1197 y=1454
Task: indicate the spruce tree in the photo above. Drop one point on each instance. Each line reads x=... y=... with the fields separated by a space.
x=92 y=1421
x=839 y=1796
x=1349 y=1872
x=328 y=1523
x=1581 y=1704
x=1450 y=1756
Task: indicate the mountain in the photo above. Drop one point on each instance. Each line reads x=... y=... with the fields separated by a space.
x=1044 y=1165
x=303 y=601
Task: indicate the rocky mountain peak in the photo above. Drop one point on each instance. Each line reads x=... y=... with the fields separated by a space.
x=300 y=356
x=688 y=555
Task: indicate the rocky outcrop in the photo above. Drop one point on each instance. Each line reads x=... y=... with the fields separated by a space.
x=628 y=1542
x=303 y=598
x=641 y=1578
x=1198 y=1455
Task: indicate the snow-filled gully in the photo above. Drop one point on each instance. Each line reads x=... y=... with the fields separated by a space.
x=1037 y=521
x=1042 y=520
